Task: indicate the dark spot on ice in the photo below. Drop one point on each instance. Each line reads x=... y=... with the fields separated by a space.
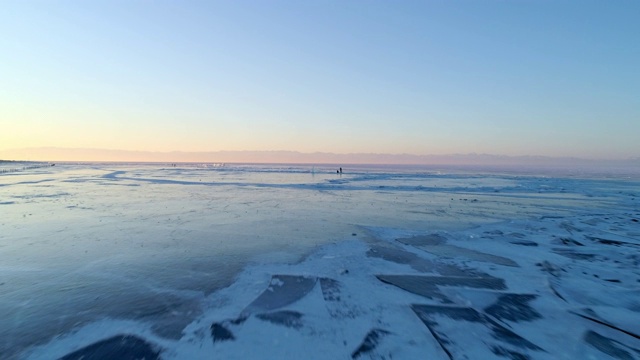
x=354 y=234
x=330 y=289
x=556 y=293
x=513 y=355
x=220 y=333
x=612 y=280
x=574 y=255
x=452 y=312
x=634 y=220
x=608 y=241
x=524 y=243
x=513 y=307
x=432 y=239
x=570 y=241
x=288 y=318
x=550 y=268
x=608 y=346
x=331 y=292
x=117 y=347
x=503 y=334
x=370 y=342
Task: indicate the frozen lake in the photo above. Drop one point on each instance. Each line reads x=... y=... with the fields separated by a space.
x=173 y=262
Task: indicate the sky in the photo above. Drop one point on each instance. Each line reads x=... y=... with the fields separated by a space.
x=550 y=78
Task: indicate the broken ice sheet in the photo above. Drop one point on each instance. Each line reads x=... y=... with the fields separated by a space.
x=424 y=240
x=436 y=245
x=400 y=256
x=428 y=286
x=513 y=307
x=481 y=338
x=283 y=290
x=397 y=255
x=116 y=347
x=451 y=251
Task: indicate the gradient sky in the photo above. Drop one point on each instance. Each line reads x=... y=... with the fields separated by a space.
x=556 y=78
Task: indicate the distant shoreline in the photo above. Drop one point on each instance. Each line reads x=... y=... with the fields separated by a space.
x=587 y=171
x=26 y=165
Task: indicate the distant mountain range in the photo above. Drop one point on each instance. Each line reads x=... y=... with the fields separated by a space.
x=77 y=154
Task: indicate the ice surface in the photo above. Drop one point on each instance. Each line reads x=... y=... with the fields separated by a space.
x=270 y=262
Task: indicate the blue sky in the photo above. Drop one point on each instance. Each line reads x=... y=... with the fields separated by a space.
x=555 y=78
